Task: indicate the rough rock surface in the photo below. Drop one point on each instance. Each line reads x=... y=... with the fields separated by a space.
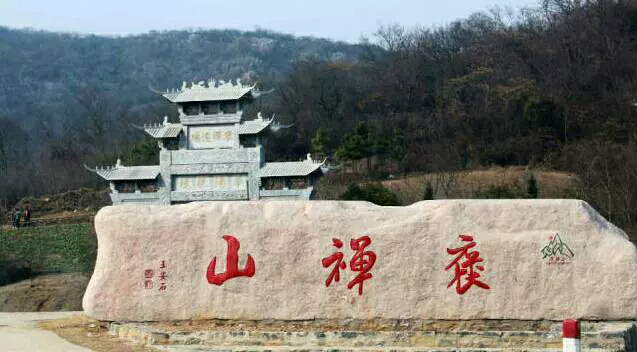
x=152 y=261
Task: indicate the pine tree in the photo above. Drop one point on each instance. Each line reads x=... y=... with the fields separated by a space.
x=319 y=143
x=532 y=190
x=429 y=191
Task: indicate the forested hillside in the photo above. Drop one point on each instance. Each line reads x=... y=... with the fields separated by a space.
x=553 y=87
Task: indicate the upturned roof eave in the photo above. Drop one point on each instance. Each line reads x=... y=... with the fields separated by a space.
x=264 y=172
x=178 y=100
x=129 y=173
x=259 y=127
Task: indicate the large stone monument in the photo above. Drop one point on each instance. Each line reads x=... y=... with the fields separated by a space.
x=448 y=259
x=212 y=154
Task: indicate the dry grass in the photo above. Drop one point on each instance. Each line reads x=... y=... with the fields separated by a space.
x=466 y=184
x=86 y=332
x=84 y=199
x=461 y=184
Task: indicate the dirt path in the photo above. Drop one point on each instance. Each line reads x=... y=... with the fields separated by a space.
x=19 y=333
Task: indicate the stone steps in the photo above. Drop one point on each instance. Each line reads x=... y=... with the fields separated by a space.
x=603 y=337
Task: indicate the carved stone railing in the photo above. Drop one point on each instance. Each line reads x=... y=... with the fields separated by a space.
x=208 y=119
x=300 y=194
x=137 y=197
x=215 y=156
x=187 y=196
x=202 y=169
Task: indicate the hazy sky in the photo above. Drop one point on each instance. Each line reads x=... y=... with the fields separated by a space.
x=336 y=19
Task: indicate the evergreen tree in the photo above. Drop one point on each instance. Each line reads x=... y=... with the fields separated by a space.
x=532 y=190
x=398 y=148
x=429 y=191
x=145 y=152
x=319 y=143
x=356 y=145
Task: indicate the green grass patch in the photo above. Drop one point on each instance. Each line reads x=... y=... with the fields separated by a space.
x=49 y=249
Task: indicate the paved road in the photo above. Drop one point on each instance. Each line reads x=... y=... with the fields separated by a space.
x=19 y=333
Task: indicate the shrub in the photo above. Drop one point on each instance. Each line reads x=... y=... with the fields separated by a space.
x=496 y=192
x=12 y=270
x=532 y=190
x=429 y=191
x=374 y=193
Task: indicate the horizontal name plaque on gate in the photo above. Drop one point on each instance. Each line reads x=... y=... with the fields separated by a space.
x=205 y=137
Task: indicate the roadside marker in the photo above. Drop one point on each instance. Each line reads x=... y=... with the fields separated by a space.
x=571 y=336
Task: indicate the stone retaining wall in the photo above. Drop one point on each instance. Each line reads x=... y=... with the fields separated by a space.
x=608 y=336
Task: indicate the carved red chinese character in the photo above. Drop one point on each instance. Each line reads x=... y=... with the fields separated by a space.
x=362 y=261
x=467 y=267
x=148 y=284
x=232 y=264
x=148 y=273
x=336 y=257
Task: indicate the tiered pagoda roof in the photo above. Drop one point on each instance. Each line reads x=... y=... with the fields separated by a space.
x=127 y=173
x=212 y=91
x=290 y=168
x=170 y=130
x=254 y=126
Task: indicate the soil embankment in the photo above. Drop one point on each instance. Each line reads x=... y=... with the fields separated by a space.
x=45 y=268
x=48 y=293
